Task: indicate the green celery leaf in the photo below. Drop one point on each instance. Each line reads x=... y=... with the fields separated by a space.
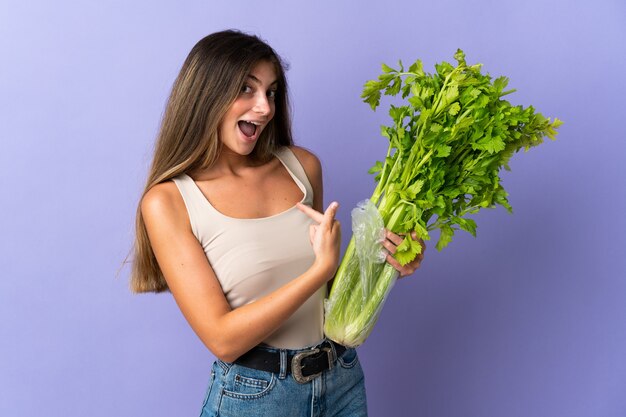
x=454 y=109
x=415 y=188
x=445 y=237
x=378 y=166
x=387 y=68
x=407 y=250
x=443 y=150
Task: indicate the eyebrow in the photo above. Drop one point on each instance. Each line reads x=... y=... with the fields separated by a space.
x=259 y=81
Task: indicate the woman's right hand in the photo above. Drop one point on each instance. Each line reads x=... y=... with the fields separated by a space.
x=325 y=236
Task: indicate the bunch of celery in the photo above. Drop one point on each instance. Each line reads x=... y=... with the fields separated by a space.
x=447 y=144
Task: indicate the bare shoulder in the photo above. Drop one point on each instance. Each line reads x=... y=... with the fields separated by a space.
x=313 y=169
x=164 y=202
x=310 y=162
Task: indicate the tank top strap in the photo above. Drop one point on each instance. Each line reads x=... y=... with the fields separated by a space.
x=296 y=170
x=203 y=217
x=194 y=201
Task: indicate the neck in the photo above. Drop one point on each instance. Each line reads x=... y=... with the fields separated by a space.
x=232 y=163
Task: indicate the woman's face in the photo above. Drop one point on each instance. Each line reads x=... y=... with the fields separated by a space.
x=251 y=111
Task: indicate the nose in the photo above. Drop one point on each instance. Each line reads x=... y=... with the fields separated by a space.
x=262 y=105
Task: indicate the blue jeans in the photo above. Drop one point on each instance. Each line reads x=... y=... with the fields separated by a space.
x=239 y=391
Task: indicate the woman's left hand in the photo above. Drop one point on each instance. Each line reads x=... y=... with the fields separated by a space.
x=391 y=242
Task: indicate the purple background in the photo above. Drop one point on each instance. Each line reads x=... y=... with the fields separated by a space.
x=529 y=319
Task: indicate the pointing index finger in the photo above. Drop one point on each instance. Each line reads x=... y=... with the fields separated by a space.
x=329 y=214
x=312 y=213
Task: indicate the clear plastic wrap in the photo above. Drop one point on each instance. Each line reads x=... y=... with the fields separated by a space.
x=362 y=282
x=368 y=230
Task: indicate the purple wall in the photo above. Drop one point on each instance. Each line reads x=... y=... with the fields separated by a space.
x=529 y=319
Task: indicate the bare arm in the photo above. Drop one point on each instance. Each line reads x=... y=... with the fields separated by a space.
x=226 y=332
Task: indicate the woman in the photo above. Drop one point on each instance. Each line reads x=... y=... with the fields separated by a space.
x=231 y=223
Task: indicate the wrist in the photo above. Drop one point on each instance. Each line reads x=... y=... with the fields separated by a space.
x=324 y=269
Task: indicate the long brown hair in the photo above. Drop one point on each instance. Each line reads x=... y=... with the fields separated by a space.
x=209 y=81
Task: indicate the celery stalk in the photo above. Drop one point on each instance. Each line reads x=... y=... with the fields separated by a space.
x=447 y=145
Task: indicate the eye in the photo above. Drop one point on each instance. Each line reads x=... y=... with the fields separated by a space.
x=246 y=89
x=272 y=94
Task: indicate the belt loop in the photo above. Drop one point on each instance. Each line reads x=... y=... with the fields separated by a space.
x=283 y=364
x=332 y=348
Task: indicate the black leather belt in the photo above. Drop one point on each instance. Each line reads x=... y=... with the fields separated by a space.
x=304 y=365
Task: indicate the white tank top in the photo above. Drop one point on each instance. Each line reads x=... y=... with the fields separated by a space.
x=253 y=257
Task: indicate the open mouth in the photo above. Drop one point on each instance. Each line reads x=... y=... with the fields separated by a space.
x=247 y=128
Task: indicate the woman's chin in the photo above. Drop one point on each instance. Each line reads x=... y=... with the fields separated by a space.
x=242 y=145
x=243 y=148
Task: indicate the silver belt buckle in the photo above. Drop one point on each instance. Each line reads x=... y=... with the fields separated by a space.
x=296 y=364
